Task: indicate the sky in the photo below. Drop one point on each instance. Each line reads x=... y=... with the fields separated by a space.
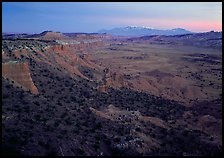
x=35 y=17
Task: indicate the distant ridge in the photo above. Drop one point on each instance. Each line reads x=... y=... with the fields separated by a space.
x=143 y=31
x=49 y=35
x=210 y=39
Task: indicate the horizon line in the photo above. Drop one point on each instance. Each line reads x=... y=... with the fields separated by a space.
x=97 y=32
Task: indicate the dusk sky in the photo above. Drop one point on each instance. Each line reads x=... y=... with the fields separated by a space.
x=30 y=17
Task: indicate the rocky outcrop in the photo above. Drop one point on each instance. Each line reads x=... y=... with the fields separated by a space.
x=111 y=79
x=102 y=88
x=19 y=73
x=49 y=35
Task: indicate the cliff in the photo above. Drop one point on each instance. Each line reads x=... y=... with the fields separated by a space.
x=66 y=56
x=19 y=73
x=111 y=79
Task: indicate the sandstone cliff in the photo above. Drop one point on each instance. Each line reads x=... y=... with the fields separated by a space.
x=111 y=79
x=20 y=74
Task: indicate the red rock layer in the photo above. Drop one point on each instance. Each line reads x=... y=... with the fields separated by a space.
x=19 y=72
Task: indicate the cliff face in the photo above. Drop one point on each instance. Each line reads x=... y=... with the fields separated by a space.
x=69 y=56
x=77 y=45
x=65 y=56
x=111 y=79
x=20 y=74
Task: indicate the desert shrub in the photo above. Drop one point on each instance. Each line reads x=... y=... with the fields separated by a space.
x=15 y=140
x=64 y=132
x=63 y=115
x=68 y=121
x=98 y=125
x=96 y=146
x=117 y=139
x=27 y=109
x=80 y=151
x=59 y=104
x=37 y=117
x=5 y=96
x=36 y=103
x=24 y=102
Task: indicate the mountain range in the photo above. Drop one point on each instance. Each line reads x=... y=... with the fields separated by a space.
x=143 y=31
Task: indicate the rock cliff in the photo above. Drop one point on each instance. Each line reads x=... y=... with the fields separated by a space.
x=19 y=73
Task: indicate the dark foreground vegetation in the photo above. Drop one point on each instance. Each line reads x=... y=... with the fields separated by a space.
x=58 y=121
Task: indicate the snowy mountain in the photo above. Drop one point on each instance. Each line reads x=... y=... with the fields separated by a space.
x=143 y=31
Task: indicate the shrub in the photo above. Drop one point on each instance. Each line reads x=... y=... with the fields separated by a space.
x=80 y=151
x=63 y=115
x=36 y=103
x=5 y=96
x=98 y=125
